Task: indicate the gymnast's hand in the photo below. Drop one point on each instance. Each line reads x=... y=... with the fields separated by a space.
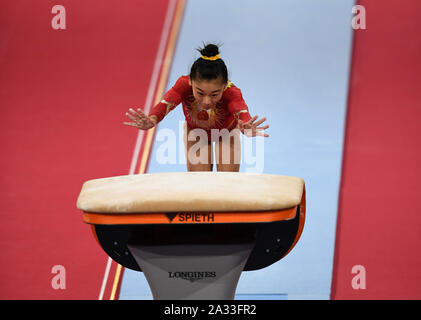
x=251 y=128
x=140 y=119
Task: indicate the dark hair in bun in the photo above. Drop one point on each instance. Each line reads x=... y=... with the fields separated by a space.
x=205 y=69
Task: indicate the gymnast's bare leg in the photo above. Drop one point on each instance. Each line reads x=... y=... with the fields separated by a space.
x=198 y=151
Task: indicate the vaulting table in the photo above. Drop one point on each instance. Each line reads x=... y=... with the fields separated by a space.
x=193 y=233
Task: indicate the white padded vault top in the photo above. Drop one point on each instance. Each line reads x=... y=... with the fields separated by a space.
x=190 y=191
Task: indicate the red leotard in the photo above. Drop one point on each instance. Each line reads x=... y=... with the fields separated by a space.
x=223 y=115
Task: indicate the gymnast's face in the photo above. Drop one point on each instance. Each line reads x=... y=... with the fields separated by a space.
x=207 y=92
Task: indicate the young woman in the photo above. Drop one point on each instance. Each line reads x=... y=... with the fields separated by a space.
x=211 y=103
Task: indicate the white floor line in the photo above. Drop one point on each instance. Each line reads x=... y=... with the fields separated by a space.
x=148 y=105
x=155 y=77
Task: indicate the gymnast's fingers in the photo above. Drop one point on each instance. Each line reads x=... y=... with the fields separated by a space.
x=262 y=134
x=130 y=124
x=131 y=117
x=260 y=122
x=135 y=114
x=252 y=120
x=141 y=113
x=142 y=116
x=262 y=128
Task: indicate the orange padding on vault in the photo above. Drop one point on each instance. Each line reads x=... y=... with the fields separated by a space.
x=189 y=217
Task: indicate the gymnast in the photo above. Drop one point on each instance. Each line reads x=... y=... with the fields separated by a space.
x=210 y=101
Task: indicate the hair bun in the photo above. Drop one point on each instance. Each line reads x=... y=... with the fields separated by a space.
x=209 y=65
x=209 y=50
